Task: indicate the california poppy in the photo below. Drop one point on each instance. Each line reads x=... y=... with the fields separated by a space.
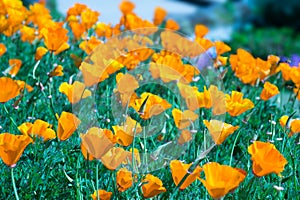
x=283 y=120
x=126 y=7
x=126 y=85
x=201 y=30
x=172 y=25
x=103 y=195
x=295 y=127
x=266 y=158
x=2 y=49
x=184 y=137
x=74 y=92
x=9 y=89
x=40 y=52
x=183 y=119
x=114 y=157
x=89 y=45
x=219 y=130
x=269 y=91
x=98 y=141
x=85 y=153
x=159 y=15
x=23 y=85
x=67 y=124
x=15 y=65
x=236 y=105
x=124 y=179
x=12 y=147
x=179 y=170
x=221 y=179
x=39 y=128
x=57 y=71
x=152 y=187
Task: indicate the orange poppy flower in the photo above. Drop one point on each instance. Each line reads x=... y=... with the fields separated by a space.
x=269 y=91
x=55 y=38
x=266 y=159
x=126 y=7
x=12 y=147
x=159 y=15
x=89 y=18
x=40 y=52
x=152 y=187
x=98 y=141
x=150 y=104
x=136 y=158
x=15 y=65
x=103 y=195
x=295 y=127
x=89 y=45
x=204 y=43
x=285 y=69
x=236 y=105
x=67 y=124
x=201 y=30
x=184 y=137
x=172 y=25
x=103 y=30
x=114 y=158
x=74 y=92
x=2 y=49
x=219 y=130
x=39 y=128
x=124 y=179
x=179 y=170
x=221 y=179
x=221 y=47
x=23 y=85
x=183 y=119
x=28 y=34
x=283 y=120
x=85 y=153
x=57 y=71
x=9 y=89
x=126 y=85
x=125 y=133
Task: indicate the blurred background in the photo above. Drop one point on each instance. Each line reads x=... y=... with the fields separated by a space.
x=261 y=26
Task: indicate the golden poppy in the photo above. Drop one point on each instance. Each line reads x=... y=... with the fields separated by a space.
x=172 y=25
x=89 y=45
x=179 y=170
x=221 y=179
x=114 y=157
x=136 y=157
x=159 y=15
x=2 y=49
x=40 y=52
x=126 y=7
x=103 y=195
x=89 y=18
x=85 y=153
x=126 y=84
x=98 y=141
x=39 y=128
x=295 y=127
x=9 y=89
x=236 y=105
x=23 y=85
x=201 y=30
x=266 y=158
x=221 y=47
x=74 y=92
x=183 y=119
x=150 y=104
x=269 y=91
x=28 y=34
x=124 y=134
x=184 y=137
x=283 y=120
x=57 y=71
x=152 y=187
x=15 y=65
x=67 y=124
x=124 y=179
x=12 y=146
x=219 y=130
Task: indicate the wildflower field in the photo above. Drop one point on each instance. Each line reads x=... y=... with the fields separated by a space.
x=139 y=110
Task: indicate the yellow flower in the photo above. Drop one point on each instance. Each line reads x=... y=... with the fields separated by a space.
x=183 y=119
x=57 y=71
x=12 y=147
x=269 y=91
x=283 y=120
x=40 y=52
x=103 y=195
x=9 y=89
x=236 y=105
x=266 y=159
x=219 y=130
x=124 y=179
x=221 y=179
x=152 y=187
x=179 y=170
x=15 y=65
x=98 y=141
x=67 y=124
x=39 y=128
x=74 y=92
x=2 y=49
x=125 y=133
x=28 y=34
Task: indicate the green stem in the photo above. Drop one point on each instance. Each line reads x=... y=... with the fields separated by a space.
x=11 y=119
x=14 y=184
x=97 y=184
x=231 y=154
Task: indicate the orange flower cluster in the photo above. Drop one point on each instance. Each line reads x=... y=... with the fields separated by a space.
x=294 y=125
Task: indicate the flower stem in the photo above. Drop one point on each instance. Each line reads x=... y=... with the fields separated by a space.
x=14 y=184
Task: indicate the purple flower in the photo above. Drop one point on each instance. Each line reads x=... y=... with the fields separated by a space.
x=294 y=60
